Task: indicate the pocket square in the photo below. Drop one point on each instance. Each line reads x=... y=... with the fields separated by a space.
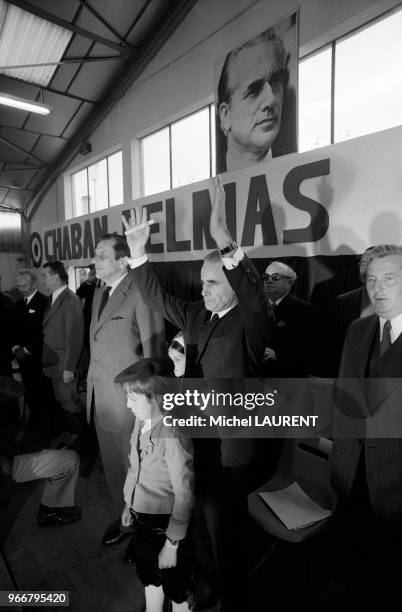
x=30 y=311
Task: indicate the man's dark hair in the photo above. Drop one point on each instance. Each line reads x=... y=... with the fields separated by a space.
x=57 y=267
x=224 y=93
x=120 y=246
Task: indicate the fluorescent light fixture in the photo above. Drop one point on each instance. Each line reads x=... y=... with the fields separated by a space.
x=23 y=104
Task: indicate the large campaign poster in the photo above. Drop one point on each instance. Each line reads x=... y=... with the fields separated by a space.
x=256 y=98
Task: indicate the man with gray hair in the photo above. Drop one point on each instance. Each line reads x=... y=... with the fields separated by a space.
x=293 y=352
x=250 y=98
x=367 y=448
x=348 y=307
x=27 y=341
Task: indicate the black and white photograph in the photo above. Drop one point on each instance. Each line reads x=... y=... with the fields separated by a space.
x=256 y=98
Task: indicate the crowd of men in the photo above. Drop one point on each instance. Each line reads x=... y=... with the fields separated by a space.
x=244 y=326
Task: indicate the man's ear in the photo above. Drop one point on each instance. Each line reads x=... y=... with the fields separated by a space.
x=123 y=263
x=224 y=116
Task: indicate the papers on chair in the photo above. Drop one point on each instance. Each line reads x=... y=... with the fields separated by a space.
x=294 y=507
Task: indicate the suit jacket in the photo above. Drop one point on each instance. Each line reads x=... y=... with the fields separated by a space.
x=295 y=339
x=63 y=333
x=27 y=324
x=232 y=346
x=128 y=330
x=368 y=419
x=346 y=310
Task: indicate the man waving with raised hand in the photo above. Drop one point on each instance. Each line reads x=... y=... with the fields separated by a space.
x=225 y=334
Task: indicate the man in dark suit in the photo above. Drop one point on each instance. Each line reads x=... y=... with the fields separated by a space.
x=367 y=449
x=123 y=330
x=63 y=333
x=293 y=351
x=349 y=307
x=27 y=343
x=225 y=336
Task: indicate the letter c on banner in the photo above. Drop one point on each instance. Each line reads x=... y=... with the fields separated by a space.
x=36 y=249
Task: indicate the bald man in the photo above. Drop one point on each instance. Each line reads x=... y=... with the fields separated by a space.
x=293 y=352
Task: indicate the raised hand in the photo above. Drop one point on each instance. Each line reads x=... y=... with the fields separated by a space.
x=137 y=230
x=217 y=225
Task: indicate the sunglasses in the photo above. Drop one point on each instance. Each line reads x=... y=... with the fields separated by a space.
x=176 y=346
x=275 y=276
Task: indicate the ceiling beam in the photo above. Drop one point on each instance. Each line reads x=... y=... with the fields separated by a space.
x=42 y=88
x=21 y=129
x=104 y=22
x=122 y=48
x=14 y=188
x=25 y=168
x=67 y=60
x=20 y=149
x=139 y=62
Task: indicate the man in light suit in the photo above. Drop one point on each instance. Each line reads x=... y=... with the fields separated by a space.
x=63 y=334
x=225 y=335
x=27 y=341
x=367 y=449
x=123 y=330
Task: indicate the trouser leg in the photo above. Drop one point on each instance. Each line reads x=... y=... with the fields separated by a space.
x=115 y=449
x=59 y=467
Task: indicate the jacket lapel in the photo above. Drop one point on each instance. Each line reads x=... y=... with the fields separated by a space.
x=389 y=380
x=206 y=331
x=53 y=308
x=113 y=302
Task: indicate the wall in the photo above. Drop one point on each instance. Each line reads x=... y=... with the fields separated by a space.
x=9 y=264
x=181 y=77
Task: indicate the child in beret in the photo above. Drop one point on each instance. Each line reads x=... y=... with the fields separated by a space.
x=158 y=491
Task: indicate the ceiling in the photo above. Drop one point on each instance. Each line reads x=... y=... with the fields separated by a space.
x=93 y=51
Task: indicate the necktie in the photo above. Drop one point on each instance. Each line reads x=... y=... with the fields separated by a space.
x=104 y=299
x=274 y=311
x=26 y=301
x=386 y=338
x=214 y=318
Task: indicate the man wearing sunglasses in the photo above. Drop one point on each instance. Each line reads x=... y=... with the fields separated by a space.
x=294 y=346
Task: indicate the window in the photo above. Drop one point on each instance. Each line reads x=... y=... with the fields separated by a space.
x=98 y=186
x=353 y=86
x=315 y=101
x=181 y=153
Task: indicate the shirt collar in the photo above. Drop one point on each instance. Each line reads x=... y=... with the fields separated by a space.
x=278 y=301
x=56 y=293
x=237 y=163
x=29 y=297
x=222 y=313
x=115 y=283
x=396 y=326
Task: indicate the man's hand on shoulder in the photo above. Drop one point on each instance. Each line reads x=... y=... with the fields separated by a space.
x=137 y=231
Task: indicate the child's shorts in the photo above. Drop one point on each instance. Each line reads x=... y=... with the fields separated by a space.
x=148 y=540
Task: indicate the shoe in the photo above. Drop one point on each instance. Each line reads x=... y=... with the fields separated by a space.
x=58 y=516
x=114 y=535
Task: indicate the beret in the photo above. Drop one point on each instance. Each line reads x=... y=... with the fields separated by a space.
x=145 y=368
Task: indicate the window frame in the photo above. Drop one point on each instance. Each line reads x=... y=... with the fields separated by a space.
x=332 y=45
x=210 y=105
x=69 y=189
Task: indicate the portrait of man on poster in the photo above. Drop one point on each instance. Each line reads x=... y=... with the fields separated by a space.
x=256 y=99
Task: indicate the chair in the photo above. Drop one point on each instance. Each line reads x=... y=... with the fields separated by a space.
x=308 y=462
